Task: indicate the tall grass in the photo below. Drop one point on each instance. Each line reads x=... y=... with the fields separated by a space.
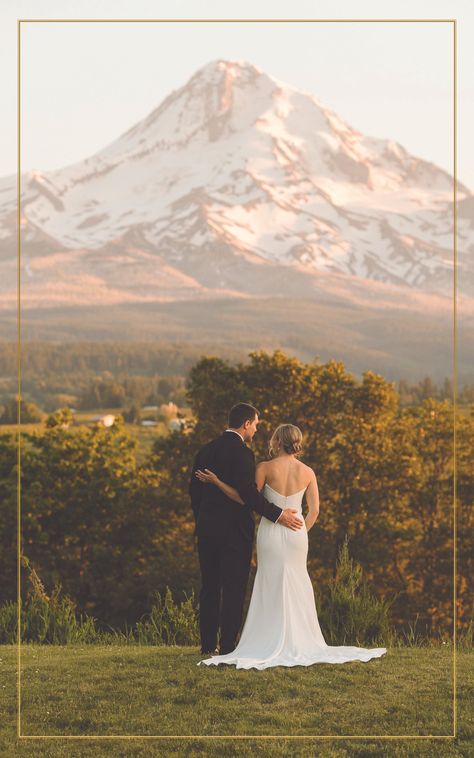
x=53 y=619
x=348 y=611
x=44 y=618
x=169 y=623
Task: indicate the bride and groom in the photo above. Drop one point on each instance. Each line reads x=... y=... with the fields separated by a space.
x=281 y=627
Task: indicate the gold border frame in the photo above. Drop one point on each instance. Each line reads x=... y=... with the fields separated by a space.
x=452 y=21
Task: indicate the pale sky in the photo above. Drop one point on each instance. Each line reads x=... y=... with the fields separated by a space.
x=84 y=84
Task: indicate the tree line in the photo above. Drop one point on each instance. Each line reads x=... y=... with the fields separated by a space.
x=113 y=531
x=92 y=376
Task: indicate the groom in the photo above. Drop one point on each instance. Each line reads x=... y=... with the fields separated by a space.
x=225 y=529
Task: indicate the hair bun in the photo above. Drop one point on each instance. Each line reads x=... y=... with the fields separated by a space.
x=293 y=447
x=287 y=437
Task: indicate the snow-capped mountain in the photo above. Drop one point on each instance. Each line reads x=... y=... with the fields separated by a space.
x=236 y=185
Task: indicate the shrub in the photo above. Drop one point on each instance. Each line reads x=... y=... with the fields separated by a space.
x=169 y=623
x=465 y=637
x=349 y=613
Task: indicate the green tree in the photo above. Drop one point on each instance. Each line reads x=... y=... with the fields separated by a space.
x=383 y=470
x=29 y=412
x=88 y=520
x=428 y=554
x=8 y=516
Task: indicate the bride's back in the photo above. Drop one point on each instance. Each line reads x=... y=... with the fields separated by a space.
x=287 y=475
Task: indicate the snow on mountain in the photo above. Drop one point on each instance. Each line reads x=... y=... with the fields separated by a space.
x=231 y=175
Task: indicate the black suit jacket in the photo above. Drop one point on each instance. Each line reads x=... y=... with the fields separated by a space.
x=216 y=514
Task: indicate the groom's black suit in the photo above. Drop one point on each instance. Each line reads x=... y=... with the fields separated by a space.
x=225 y=531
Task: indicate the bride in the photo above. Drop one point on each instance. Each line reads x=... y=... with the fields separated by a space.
x=282 y=627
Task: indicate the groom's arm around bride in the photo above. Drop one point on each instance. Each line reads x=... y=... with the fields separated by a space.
x=244 y=476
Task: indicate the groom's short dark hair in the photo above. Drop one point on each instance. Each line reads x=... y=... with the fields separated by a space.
x=241 y=413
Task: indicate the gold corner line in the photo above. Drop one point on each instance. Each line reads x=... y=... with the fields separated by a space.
x=228 y=20
x=454 y=375
x=238 y=20
x=18 y=506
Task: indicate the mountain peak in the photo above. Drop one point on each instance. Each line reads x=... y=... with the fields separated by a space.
x=219 y=92
x=238 y=69
x=224 y=64
x=225 y=76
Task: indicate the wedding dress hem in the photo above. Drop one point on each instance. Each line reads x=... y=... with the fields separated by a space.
x=347 y=656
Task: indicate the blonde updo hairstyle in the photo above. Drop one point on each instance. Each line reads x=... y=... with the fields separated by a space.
x=287 y=437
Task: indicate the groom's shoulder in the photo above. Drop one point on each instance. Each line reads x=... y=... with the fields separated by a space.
x=216 y=442
x=229 y=442
x=226 y=440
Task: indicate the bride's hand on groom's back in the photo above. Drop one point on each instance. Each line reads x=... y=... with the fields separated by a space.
x=207 y=476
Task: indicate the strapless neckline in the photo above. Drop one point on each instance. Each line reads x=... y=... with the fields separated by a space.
x=279 y=493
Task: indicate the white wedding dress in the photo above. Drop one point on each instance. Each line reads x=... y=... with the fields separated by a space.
x=282 y=627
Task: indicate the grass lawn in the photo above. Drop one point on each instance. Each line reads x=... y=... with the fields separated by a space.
x=137 y=690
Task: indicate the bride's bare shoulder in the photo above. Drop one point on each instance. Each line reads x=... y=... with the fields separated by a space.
x=271 y=465
x=307 y=469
